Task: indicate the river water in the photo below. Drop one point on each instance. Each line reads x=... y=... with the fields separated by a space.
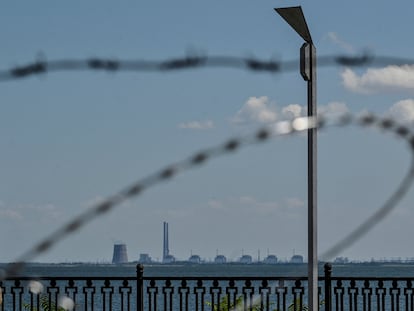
x=225 y=270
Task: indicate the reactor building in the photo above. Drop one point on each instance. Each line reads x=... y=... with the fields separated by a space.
x=120 y=254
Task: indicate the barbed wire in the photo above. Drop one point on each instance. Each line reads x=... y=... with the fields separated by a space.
x=190 y=62
x=281 y=128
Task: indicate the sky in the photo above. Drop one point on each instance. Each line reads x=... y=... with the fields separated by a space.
x=70 y=139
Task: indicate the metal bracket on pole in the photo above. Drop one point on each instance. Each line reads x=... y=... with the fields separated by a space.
x=305 y=62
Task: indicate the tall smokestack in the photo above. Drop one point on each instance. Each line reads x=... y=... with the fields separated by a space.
x=166 y=251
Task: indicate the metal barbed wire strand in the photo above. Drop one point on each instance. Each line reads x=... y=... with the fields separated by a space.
x=281 y=128
x=191 y=62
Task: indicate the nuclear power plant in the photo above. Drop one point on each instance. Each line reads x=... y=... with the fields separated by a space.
x=120 y=254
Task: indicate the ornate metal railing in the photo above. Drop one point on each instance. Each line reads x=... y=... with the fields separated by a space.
x=88 y=293
x=210 y=293
x=203 y=293
x=368 y=293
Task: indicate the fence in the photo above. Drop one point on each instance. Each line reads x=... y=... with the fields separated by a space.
x=88 y=293
x=210 y=293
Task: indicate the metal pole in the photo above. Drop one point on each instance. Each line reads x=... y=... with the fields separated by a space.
x=328 y=286
x=308 y=71
x=140 y=288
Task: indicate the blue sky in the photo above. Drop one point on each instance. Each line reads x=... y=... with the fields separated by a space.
x=70 y=139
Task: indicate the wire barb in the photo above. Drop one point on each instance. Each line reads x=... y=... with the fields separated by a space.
x=109 y=65
x=355 y=61
x=182 y=63
x=35 y=68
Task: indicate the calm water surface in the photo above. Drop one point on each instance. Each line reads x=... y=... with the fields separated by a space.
x=380 y=270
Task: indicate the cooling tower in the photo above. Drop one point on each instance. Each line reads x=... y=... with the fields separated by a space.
x=120 y=254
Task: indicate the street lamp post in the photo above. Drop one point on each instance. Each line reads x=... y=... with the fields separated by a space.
x=295 y=18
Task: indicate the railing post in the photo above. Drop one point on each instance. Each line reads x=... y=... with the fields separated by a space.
x=140 y=287
x=328 y=286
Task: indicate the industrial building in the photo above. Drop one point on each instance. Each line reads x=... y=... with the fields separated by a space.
x=144 y=259
x=296 y=259
x=194 y=259
x=270 y=259
x=246 y=259
x=220 y=259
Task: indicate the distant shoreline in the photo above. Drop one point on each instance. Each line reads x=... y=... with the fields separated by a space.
x=184 y=263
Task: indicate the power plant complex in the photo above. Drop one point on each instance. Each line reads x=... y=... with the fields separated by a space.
x=120 y=255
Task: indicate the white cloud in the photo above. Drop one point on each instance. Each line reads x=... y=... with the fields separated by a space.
x=390 y=78
x=256 y=109
x=93 y=201
x=251 y=205
x=403 y=111
x=215 y=204
x=293 y=111
x=49 y=211
x=255 y=205
x=197 y=125
x=30 y=212
x=333 y=37
x=10 y=214
x=261 y=110
x=333 y=108
x=295 y=202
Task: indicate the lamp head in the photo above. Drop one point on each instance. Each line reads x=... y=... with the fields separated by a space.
x=295 y=18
